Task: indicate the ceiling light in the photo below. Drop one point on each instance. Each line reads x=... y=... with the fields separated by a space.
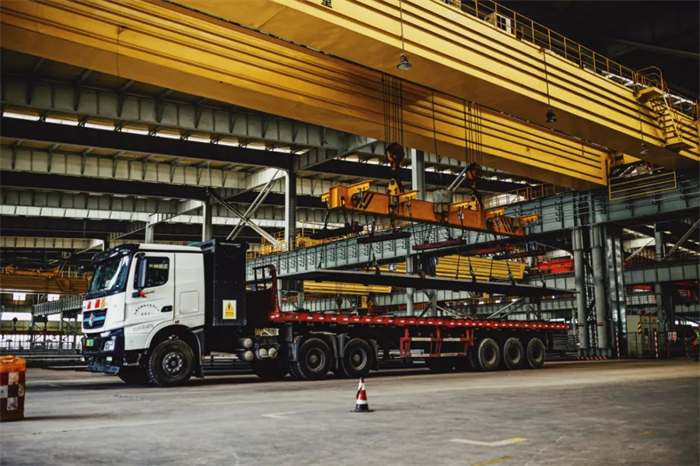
x=644 y=150
x=404 y=64
x=551 y=116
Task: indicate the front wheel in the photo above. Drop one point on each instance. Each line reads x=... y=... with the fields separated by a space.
x=171 y=363
x=133 y=375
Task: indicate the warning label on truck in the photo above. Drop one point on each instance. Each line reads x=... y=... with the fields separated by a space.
x=229 y=308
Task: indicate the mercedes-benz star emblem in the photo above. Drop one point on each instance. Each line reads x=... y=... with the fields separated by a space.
x=91 y=319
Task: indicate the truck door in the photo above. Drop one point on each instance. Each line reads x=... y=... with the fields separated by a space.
x=151 y=296
x=189 y=289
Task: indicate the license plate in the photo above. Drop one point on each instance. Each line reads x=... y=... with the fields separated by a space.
x=89 y=342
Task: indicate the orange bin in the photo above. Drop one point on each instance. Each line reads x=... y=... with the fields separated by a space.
x=13 y=373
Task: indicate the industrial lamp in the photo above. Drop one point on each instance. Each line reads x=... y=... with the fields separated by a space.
x=551 y=116
x=404 y=64
x=644 y=149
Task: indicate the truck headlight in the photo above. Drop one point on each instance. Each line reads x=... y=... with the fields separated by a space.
x=109 y=345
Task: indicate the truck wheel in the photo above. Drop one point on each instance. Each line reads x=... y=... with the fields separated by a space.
x=134 y=375
x=487 y=355
x=357 y=358
x=268 y=369
x=439 y=365
x=536 y=353
x=293 y=372
x=171 y=363
x=513 y=354
x=313 y=360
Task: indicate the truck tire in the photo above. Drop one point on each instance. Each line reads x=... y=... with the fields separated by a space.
x=313 y=360
x=536 y=353
x=439 y=365
x=293 y=372
x=357 y=358
x=513 y=354
x=133 y=375
x=268 y=369
x=487 y=355
x=171 y=363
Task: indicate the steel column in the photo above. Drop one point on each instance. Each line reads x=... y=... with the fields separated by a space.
x=290 y=208
x=150 y=233
x=614 y=256
x=660 y=237
x=579 y=276
x=410 y=292
x=207 y=221
x=418 y=173
x=600 y=296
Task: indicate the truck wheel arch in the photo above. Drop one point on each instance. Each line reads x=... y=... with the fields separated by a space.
x=181 y=332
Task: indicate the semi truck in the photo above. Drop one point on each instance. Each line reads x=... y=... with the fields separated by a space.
x=153 y=313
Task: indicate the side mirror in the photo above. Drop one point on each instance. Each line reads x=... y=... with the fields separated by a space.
x=141 y=273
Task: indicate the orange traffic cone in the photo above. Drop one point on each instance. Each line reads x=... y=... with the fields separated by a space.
x=361 y=405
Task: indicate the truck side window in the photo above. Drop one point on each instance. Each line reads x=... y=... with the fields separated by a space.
x=157 y=269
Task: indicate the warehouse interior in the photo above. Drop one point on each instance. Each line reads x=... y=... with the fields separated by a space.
x=434 y=172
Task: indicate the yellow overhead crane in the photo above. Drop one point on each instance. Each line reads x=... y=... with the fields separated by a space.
x=491 y=55
x=166 y=45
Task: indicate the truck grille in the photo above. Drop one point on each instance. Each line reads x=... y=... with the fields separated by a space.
x=97 y=318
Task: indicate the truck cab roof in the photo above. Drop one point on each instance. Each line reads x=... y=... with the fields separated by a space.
x=100 y=256
x=168 y=248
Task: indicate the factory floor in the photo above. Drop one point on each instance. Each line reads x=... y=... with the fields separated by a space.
x=575 y=413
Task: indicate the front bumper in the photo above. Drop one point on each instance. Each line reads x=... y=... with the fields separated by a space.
x=99 y=357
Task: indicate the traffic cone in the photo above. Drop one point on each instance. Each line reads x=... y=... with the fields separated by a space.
x=361 y=405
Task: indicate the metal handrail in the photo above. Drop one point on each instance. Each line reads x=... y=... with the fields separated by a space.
x=528 y=30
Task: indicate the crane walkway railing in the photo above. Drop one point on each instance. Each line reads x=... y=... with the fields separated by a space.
x=527 y=30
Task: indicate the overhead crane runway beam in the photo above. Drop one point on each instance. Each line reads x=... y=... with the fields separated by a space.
x=521 y=69
x=165 y=45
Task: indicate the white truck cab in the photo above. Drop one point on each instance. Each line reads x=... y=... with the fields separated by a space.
x=146 y=295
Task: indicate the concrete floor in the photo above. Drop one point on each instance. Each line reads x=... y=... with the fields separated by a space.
x=582 y=413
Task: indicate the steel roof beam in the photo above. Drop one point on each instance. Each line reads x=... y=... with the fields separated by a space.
x=136 y=143
x=62 y=204
x=327 y=144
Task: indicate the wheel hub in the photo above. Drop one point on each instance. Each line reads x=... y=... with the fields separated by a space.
x=357 y=359
x=173 y=363
x=314 y=360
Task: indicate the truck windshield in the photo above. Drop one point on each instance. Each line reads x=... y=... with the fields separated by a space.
x=110 y=275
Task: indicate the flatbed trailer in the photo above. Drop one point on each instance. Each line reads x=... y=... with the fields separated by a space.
x=153 y=313
x=445 y=343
